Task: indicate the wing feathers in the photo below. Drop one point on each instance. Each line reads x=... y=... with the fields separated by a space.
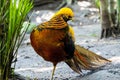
x=85 y=59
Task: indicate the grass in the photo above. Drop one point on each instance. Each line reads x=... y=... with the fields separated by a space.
x=12 y=16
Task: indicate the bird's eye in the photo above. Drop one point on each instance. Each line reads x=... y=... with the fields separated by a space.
x=66 y=17
x=69 y=17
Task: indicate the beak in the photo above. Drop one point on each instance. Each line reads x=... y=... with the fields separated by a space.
x=72 y=19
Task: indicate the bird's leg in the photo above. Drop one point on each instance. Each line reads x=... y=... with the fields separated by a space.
x=54 y=66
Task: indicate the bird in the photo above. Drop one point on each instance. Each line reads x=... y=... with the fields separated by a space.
x=54 y=41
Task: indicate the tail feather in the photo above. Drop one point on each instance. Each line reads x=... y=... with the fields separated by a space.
x=85 y=59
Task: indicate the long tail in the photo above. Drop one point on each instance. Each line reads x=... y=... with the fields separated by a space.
x=85 y=59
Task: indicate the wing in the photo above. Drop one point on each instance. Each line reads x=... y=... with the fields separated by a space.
x=69 y=46
x=54 y=23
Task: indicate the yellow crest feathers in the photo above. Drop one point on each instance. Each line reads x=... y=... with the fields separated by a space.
x=64 y=11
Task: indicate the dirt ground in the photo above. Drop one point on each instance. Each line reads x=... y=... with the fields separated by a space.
x=87 y=33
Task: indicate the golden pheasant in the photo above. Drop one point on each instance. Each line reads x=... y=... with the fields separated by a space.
x=54 y=41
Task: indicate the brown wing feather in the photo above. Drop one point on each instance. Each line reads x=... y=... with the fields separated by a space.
x=54 y=23
x=85 y=59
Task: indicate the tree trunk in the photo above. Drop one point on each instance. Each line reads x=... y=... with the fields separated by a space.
x=105 y=21
x=108 y=19
x=118 y=15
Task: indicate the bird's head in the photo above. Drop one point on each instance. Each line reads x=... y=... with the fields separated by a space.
x=66 y=13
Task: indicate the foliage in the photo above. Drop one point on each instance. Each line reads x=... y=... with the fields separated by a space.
x=12 y=15
x=97 y=3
